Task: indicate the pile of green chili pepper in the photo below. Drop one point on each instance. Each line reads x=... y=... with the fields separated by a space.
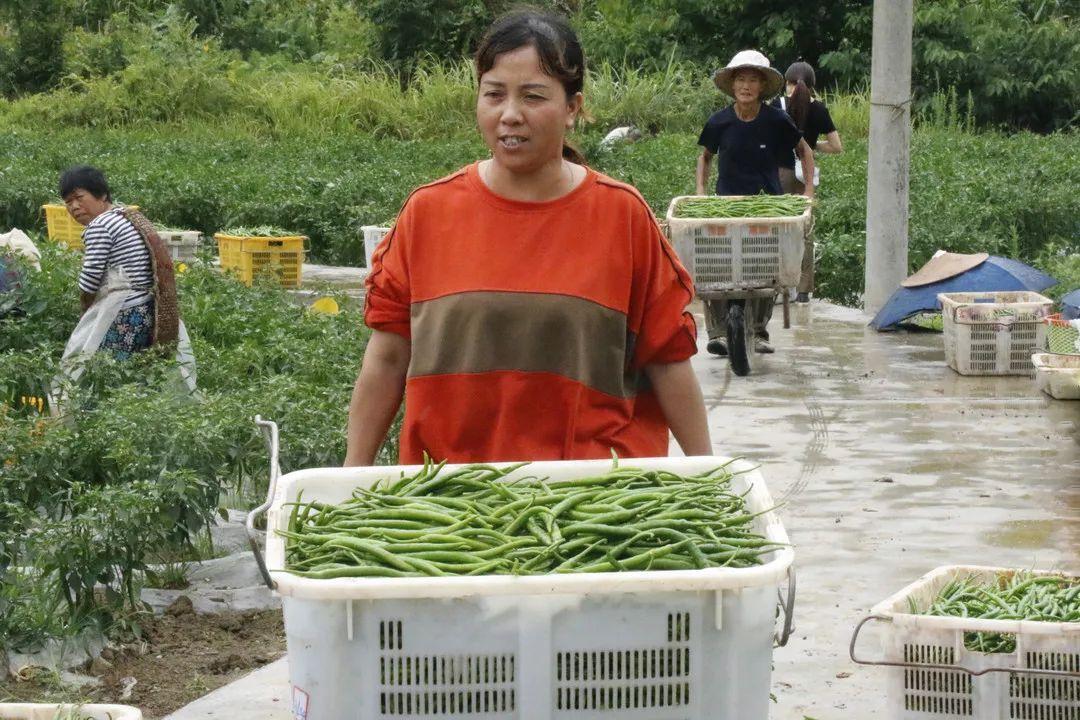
x=751 y=206
x=1011 y=596
x=470 y=521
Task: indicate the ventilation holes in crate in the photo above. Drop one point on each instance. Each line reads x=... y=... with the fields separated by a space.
x=627 y=679
x=761 y=259
x=982 y=348
x=441 y=684
x=712 y=258
x=935 y=691
x=1022 y=344
x=1034 y=697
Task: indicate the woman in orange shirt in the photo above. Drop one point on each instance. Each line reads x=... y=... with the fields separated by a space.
x=528 y=307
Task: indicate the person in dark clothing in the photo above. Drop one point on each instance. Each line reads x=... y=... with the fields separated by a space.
x=810 y=115
x=752 y=139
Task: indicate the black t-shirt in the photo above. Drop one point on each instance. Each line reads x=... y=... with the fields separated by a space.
x=750 y=152
x=818 y=122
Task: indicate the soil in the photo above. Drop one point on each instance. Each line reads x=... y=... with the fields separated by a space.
x=181 y=657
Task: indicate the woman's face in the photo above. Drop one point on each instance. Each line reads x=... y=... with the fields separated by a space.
x=747 y=85
x=84 y=207
x=523 y=113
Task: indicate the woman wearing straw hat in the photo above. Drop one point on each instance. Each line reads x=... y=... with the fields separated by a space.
x=751 y=139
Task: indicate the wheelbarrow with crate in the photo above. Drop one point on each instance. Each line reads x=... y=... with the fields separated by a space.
x=663 y=644
x=735 y=257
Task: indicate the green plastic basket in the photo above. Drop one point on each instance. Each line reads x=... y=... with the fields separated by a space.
x=1061 y=337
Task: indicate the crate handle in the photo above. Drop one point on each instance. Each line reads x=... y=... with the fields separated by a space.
x=269 y=430
x=788 y=607
x=932 y=666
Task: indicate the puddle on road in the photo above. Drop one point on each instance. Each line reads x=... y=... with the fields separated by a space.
x=1025 y=534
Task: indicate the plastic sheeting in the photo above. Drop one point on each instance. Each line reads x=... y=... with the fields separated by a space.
x=996 y=274
x=1070 y=305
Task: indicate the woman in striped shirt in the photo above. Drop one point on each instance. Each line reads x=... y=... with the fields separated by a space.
x=127 y=272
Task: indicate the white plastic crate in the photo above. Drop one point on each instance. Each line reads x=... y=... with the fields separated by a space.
x=659 y=645
x=183 y=244
x=39 y=711
x=993 y=333
x=733 y=253
x=1057 y=375
x=986 y=686
x=373 y=235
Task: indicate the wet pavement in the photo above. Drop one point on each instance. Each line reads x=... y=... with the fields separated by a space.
x=888 y=464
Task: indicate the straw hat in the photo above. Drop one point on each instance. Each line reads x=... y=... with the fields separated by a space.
x=752 y=60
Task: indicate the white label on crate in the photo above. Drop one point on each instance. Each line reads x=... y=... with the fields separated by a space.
x=299 y=704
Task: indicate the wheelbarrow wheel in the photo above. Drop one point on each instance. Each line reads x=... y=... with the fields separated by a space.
x=738 y=339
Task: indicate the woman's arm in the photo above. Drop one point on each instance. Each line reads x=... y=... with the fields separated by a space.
x=831 y=145
x=704 y=162
x=376 y=396
x=679 y=394
x=806 y=157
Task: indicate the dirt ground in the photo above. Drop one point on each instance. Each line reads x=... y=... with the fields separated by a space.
x=181 y=657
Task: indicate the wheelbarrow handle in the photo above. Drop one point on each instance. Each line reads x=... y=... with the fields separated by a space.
x=269 y=430
x=788 y=606
x=935 y=666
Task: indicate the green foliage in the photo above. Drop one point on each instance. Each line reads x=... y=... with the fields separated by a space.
x=1006 y=195
x=36 y=58
x=638 y=34
x=322 y=187
x=1011 y=62
x=135 y=470
x=412 y=29
x=1010 y=194
x=1017 y=66
x=1017 y=60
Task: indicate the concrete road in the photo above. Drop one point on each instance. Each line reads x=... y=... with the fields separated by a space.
x=888 y=463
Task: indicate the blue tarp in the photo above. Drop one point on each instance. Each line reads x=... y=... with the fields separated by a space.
x=1070 y=305
x=996 y=274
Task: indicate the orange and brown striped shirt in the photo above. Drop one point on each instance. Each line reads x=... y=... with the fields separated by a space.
x=530 y=323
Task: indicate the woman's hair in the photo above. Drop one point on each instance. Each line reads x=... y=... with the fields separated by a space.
x=801 y=75
x=558 y=47
x=87 y=178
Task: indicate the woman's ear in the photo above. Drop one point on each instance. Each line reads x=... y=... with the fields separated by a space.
x=574 y=105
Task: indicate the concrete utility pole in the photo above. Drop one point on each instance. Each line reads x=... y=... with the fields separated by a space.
x=890 y=152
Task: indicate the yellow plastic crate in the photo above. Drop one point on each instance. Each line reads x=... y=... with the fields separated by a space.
x=250 y=256
x=64 y=228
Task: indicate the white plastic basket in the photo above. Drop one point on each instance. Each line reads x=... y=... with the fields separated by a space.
x=993 y=333
x=738 y=253
x=373 y=235
x=1039 y=681
x=1057 y=375
x=38 y=711
x=659 y=645
x=183 y=244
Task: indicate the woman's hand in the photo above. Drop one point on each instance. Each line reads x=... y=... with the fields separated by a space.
x=376 y=396
x=679 y=394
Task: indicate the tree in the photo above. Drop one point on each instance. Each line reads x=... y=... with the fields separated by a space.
x=37 y=58
x=411 y=29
